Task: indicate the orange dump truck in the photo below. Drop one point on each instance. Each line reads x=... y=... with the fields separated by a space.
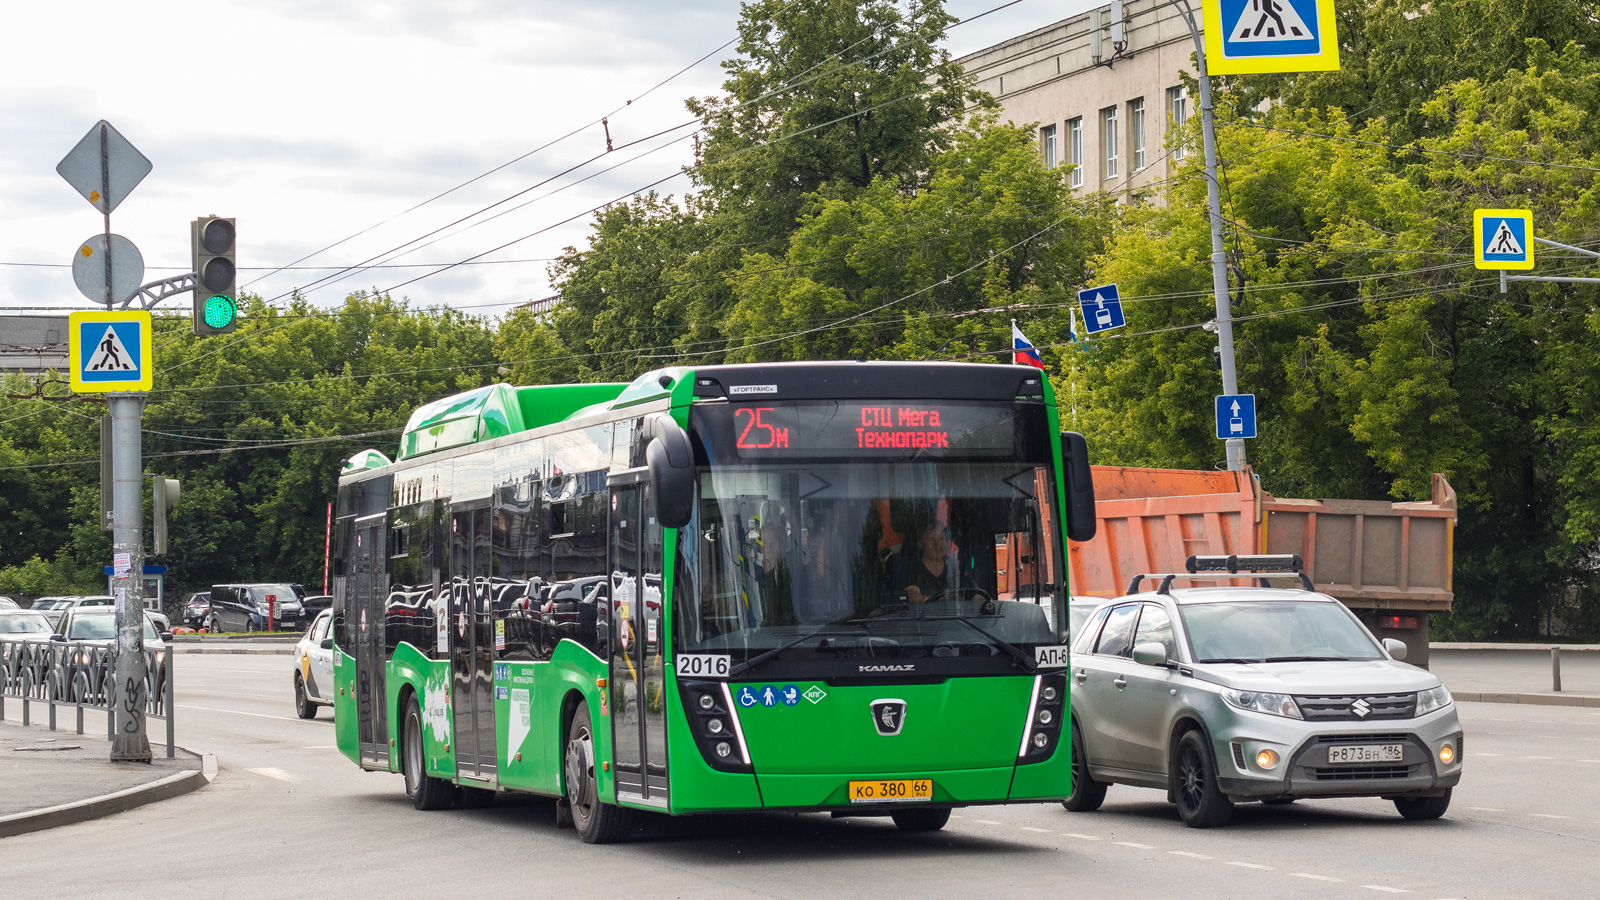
x=1389 y=562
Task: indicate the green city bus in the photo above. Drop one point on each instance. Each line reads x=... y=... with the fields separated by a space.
x=834 y=586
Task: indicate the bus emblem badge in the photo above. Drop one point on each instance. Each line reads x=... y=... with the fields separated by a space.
x=815 y=694
x=889 y=716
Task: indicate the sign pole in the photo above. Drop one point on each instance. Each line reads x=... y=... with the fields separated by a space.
x=131 y=742
x=1219 y=253
x=327 y=547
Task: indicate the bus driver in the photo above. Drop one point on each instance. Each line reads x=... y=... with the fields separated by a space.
x=933 y=572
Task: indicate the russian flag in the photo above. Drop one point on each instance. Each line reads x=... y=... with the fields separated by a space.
x=1022 y=352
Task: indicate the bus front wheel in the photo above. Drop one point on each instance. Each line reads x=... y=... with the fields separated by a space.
x=921 y=819
x=425 y=791
x=597 y=822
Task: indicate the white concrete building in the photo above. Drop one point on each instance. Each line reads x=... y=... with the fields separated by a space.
x=1104 y=98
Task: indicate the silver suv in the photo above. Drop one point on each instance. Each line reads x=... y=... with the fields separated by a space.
x=1219 y=695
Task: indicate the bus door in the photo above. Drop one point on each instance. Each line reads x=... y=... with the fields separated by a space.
x=369 y=588
x=636 y=685
x=471 y=645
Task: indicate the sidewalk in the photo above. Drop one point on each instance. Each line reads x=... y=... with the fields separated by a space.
x=1497 y=673
x=58 y=777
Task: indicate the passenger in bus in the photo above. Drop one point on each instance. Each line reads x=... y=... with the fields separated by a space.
x=932 y=573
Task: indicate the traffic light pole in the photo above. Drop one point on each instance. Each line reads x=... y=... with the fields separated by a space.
x=1219 y=253
x=130 y=743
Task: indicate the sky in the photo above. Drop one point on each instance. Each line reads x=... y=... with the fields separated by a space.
x=321 y=125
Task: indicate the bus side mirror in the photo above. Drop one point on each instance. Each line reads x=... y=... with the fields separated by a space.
x=1081 y=523
x=671 y=463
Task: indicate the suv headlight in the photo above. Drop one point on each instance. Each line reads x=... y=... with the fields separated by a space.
x=1428 y=701
x=1257 y=701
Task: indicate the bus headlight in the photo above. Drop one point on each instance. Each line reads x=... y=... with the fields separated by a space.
x=714 y=726
x=724 y=749
x=707 y=701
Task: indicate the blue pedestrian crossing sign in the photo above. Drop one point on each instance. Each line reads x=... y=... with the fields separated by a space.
x=1248 y=37
x=1102 y=308
x=110 y=351
x=1236 y=416
x=1502 y=238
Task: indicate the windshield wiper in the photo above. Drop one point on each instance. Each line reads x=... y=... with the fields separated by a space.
x=1307 y=659
x=1026 y=661
x=1232 y=659
x=752 y=662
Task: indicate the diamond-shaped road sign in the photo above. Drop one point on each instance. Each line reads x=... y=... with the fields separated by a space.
x=110 y=351
x=1236 y=416
x=1502 y=239
x=104 y=185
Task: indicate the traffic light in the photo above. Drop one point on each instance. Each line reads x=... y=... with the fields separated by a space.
x=166 y=496
x=216 y=294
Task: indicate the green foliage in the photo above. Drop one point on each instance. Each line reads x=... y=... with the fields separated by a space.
x=35 y=577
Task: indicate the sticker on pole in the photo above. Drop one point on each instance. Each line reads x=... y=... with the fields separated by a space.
x=1502 y=239
x=110 y=351
x=1246 y=37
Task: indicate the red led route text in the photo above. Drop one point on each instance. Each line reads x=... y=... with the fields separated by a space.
x=759 y=435
x=890 y=427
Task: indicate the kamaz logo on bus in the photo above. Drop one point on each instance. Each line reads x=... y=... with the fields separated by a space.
x=906 y=667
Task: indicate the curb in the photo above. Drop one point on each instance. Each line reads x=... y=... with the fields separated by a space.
x=1587 y=700
x=174 y=785
x=1458 y=645
x=236 y=651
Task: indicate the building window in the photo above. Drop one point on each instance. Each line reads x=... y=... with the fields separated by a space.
x=1047 y=143
x=1108 y=131
x=1075 y=150
x=1178 y=107
x=1136 y=132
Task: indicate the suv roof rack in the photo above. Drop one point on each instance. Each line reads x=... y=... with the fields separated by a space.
x=1263 y=567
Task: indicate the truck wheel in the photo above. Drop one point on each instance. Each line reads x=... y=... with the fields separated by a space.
x=1421 y=808
x=425 y=791
x=597 y=822
x=1087 y=794
x=1200 y=803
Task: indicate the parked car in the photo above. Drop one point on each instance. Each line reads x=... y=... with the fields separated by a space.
x=54 y=607
x=1221 y=695
x=24 y=625
x=246 y=607
x=197 y=611
x=316 y=603
x=92 y=629
x=8 y=603
x=313 y=667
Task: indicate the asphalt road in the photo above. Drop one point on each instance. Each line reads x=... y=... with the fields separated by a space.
x=290 y=817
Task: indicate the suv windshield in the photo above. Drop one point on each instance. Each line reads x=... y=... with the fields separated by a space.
x=1275 y=631
x=102 y=626
x=916 y=554
x=24 y=624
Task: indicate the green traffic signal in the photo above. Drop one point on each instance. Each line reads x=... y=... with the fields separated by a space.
x=220 y=311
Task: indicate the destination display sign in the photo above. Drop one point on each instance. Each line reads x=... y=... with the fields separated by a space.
x=810 y=428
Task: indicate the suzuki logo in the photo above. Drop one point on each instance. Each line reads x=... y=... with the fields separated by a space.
x=889 y=716
x=1361 y=707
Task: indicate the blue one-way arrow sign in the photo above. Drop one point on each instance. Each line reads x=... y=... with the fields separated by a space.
x=1236 y=416
x=1102 y=308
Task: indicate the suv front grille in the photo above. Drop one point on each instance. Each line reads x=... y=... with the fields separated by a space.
x=1349 y=708
x=1363 y=738
x=1371 y=773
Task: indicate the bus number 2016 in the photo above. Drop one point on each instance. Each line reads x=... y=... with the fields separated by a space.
x=758 y=435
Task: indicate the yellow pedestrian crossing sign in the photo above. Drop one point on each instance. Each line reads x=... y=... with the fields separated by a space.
x=1502 y=239
x=110 y=351
x=1250 y=37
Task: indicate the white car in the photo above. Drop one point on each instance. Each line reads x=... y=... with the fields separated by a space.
x=313 y=667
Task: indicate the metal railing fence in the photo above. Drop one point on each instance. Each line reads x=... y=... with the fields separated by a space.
x=80 y=676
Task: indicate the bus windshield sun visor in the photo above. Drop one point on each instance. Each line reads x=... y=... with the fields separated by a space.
x=671 y=465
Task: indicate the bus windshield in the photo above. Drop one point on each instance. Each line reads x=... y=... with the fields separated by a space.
x=939 y=552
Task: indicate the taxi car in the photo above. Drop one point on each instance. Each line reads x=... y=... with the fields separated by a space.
x=313 y=667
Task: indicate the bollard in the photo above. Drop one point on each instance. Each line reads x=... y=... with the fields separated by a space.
x=1555 y=669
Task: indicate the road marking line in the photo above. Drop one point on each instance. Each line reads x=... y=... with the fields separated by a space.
x=1486 y=808
x=986 y=821
x=1539 y=757
x=1081 y=837
x=1315 y=877
x=1547 y=816
x=1190 y=855
x=1485 y=754
x=323 y=747
x=1133 y=845
x=1386 y=890
x=239 y=712
x=1039 y=830
x=1245 y=865
x=279 y=774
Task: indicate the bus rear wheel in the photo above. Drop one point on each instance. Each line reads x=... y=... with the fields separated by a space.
x=425 y=791
x=921 y=819
x=597 y=822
